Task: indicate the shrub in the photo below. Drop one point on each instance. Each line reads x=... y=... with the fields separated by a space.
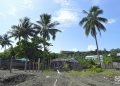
x=66 y=67
x=96 y=68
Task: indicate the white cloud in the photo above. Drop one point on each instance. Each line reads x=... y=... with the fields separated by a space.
x=91 y=47
x=66 y=16
x=13 y=7
x=111 y=21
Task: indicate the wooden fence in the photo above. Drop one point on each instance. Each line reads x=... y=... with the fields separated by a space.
x=113 y=65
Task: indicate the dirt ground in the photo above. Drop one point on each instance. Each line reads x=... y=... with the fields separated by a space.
x=21 y=78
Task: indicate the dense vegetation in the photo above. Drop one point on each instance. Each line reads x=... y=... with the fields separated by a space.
x=33 y=39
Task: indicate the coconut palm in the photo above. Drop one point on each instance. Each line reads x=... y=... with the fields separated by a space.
x=93 y=23
x=46 y=28
x=23 y=30
x=5 y=41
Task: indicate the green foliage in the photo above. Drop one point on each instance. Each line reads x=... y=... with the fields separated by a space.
x=7 y=53
x=93 y=22
x=107 y=59
x=111 y=72
x=95 y=68
x=66 y=67
x=29 y=50
x=5 y=41
x=54 y=55
x=23 y=30
x=46 y=28
x=86 y=63
x=113 y=55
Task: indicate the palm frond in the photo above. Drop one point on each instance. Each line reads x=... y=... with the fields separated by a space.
x=85 y=19
x=94 y=9
x=53 y=33
x=52 y=25
x=104 y=20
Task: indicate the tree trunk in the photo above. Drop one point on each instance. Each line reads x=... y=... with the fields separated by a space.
x=38 y=64
x=98 y=56
x=29 y=65
x=49 y=63
x=33 y=66
x=43 y=66
x=25 y=69
x=11 y=65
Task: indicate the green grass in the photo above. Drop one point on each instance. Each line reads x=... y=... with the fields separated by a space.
x=82 y=73
x=107 y=72
x=49 y=72
x=88 y=72
x=111 y=72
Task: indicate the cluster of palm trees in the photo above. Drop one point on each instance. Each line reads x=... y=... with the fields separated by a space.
x=44 y=29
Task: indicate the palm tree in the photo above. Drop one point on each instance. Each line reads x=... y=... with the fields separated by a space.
x=23 y=30
x=5 y=41
x=93 y=23
x=46 y=29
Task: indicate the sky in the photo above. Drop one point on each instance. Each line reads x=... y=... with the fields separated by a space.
x=68 y=13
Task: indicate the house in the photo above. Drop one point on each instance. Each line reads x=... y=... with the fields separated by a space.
x=94 y=57
x=60 y=62
x=16 y=63
x=118 y=55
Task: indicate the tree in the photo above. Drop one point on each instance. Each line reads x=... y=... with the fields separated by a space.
x=23 y=30
x=93 y=23
x=46 y=29
x=5 y=41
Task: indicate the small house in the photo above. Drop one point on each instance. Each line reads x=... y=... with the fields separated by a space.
x=59 y=63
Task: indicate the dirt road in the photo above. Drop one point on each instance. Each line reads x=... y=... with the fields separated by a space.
x=40 y=79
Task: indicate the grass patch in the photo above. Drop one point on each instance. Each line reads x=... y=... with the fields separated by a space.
x=88 y=72
x=49 y=72
x=82 y=73
x=111 y=72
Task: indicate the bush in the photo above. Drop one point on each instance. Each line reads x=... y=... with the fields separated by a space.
x=96 y=68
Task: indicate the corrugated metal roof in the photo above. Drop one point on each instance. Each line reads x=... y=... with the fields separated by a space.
x=63 y=59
